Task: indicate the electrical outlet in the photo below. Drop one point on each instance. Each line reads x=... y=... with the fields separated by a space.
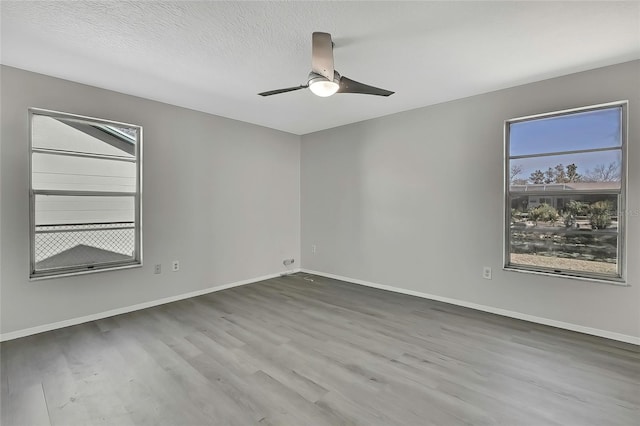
x=486 y=272
x=157 y=269
x=175 y=265
x=314 y=249
x=287 y=262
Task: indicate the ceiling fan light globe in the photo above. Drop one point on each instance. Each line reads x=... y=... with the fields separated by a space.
x=324 y=88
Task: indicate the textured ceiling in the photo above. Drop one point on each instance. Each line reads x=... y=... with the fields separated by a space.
x=215 y=56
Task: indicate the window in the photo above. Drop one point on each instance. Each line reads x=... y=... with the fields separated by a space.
x=85 y=194
x=565 y=192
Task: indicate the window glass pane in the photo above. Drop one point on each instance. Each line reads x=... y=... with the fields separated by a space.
x=593 y=252
x=57 y=209
x=61 y=172
x=574 y=232
x=127 y=132
x=586 y=130
x=563 y=206
x=85 y=194
x=586 y=171
x=584 y=212
x=82 y=136
x=61 y=246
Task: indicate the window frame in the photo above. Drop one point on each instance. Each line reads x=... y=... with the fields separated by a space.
x=98 y=267
x=620 y=278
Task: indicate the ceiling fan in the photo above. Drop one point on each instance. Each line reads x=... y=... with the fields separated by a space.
x=323 y=79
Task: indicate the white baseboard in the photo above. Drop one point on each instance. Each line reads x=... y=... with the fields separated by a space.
x=79 y=320
x=512 y=314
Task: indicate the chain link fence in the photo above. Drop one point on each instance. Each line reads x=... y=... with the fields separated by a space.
x=65 y=245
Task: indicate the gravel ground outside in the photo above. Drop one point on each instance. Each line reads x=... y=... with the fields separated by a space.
x=561 y=263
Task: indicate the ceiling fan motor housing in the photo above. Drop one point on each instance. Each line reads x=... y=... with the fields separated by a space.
x=315 y=77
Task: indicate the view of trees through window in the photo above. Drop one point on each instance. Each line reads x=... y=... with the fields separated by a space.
x=565 y=192
x=565 y=174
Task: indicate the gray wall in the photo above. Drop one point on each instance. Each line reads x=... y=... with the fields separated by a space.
x=414 y=201
x=387 y=201
x=221 y=196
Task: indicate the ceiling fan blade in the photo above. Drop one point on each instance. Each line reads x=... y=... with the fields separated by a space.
x=322 y=55
x=288 y=89
x=351 y=86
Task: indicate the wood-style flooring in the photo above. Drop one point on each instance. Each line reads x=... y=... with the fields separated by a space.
x=306 y=350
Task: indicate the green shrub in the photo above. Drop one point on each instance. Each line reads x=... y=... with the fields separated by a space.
x=600 y=214
x=544 y=213
x=572 y=210
x=576 y=208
